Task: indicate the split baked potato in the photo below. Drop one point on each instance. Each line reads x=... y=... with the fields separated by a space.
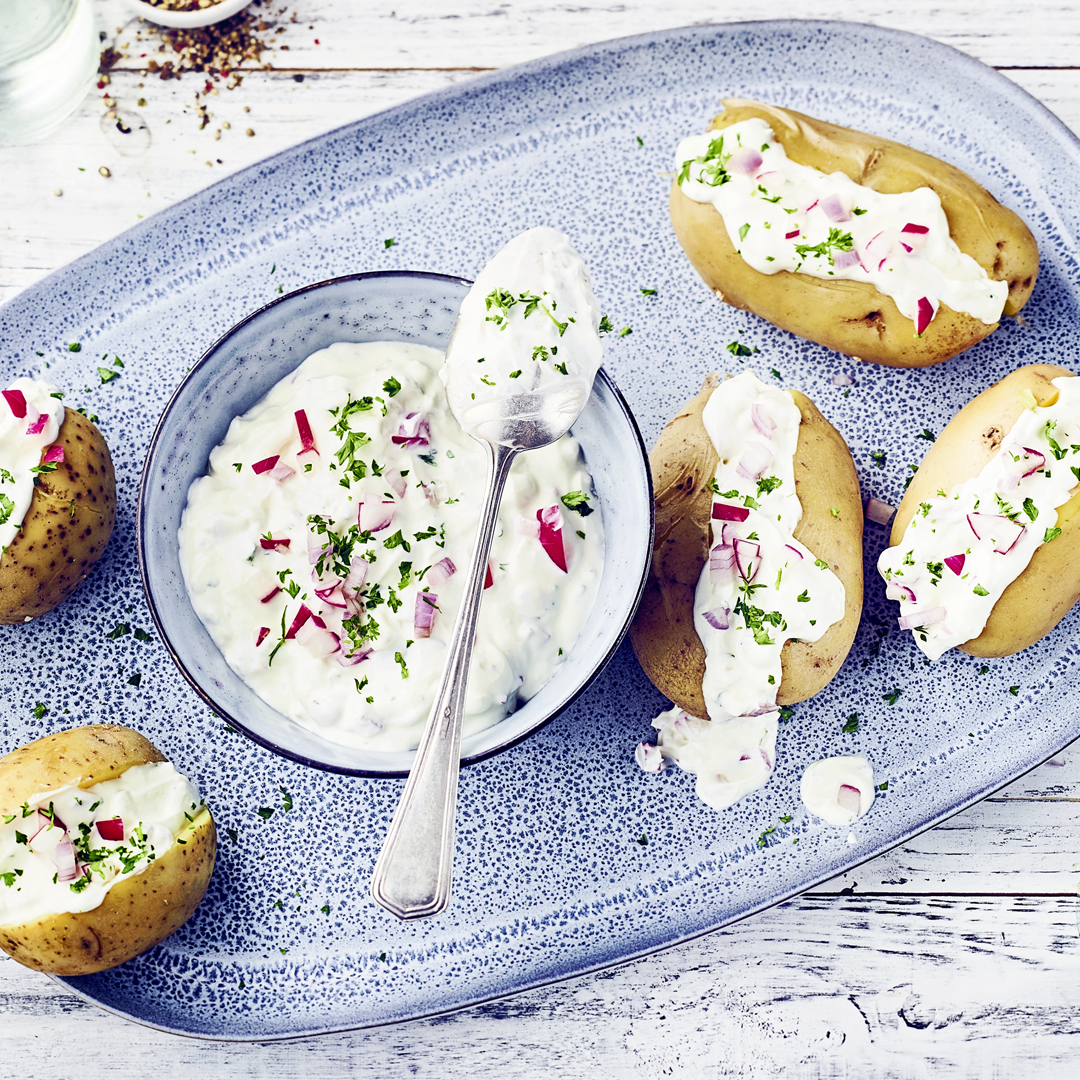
x=683 y=464
x=852 y=316
x=139 y=910
x=65 y=531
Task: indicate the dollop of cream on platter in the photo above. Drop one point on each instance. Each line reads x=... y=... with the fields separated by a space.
x=838 y=789
x=781 y=215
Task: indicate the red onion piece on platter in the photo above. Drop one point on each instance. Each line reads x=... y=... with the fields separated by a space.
x=842 y=378
x=879 y=512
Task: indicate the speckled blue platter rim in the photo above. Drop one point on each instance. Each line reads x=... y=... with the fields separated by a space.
x=493 y=743
x=655 y=923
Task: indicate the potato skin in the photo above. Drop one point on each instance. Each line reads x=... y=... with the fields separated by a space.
x=139 y=911
x=683 y=463
x=852 y=316
x=66 y=528
x=1050 y=585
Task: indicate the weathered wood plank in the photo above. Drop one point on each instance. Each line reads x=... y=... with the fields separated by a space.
x=844 y=987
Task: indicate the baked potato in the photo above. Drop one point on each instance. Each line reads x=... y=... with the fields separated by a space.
x=851 y=316
x=66 y=528
x=141 y=907
x=683 y=465
x=1040 y=597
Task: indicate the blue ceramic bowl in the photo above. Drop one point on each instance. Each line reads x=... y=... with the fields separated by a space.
x=238 y=370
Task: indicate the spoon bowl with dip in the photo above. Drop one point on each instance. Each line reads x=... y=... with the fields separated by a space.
x=519 y=369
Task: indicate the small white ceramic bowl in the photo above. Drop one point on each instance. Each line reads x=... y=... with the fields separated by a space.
x=239 y=370
x=187 y=20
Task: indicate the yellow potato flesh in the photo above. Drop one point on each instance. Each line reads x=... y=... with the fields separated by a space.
x=1045 y=592
x=66 y=528
x=851 y=316
x=683 y=463
x=141 y=909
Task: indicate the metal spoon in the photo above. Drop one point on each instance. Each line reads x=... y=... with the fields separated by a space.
x=413 y=872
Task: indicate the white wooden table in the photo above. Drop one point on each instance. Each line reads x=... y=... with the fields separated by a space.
x=955 y=955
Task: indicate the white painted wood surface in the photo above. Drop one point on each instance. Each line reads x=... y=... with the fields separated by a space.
x=954 y=956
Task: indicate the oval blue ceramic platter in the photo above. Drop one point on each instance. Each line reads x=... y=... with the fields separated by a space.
x=569 y=858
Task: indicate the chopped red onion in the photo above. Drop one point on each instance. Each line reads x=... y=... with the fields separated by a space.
x=747 y=558
x=352 y=659
x=727 y=512
x=755 y=460
x=843 y=259
x=879 y=512
x=895 y=591
x=1038 y=460
x=745 y=160
x=301 y=617
x=922 y=618
x=551 y=524
x=317 y=549
x=719 y=618
x=270 y=595
x=307 y=440
x=791 y=235
x=414 y=430
x=488 y=579
x=834 y=209
x=430 y=493
x=268 y=543
x=910 y=227
x=54 y=453
x=722 y=563
x=763 y=423
x=281 y=472
x=396 y=482
x=765 y=753
x=424 y=613
x=64 y=860
x=441 y=572
x=850 y=799
x=842 y=378
x=265 y=465
x=1007 y=541
x=111 y=828
x=926 y=314
x=358 y=572
x=373 y=515
x=333 y=596
x=262 y=634
x=1002 y=530
x=37 y=425
x=317 y=639
x=796 y=550
x=956 y=563
x=16 y=400
x=811 y=206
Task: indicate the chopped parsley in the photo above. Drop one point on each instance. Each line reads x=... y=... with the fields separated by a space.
x=892 y=696
x=852 y=724
x=836 y=241
x=391 y=386
x=980 y=591
x=926 y=434
x=1051 y=534
x=577 y=501
x=737 y=348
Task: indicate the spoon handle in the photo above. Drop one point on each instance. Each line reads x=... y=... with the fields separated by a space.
x=413 y=872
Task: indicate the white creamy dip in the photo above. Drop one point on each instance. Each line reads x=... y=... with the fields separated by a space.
x=330 y=573
x=838 y=789
x=31 y=413
x=529 y=323
x=784 y=216
x=962 y=549
x=63 y=850
x=759 y=588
